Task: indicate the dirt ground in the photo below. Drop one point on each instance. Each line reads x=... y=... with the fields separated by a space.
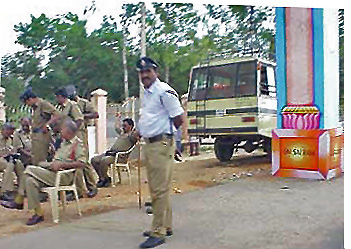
x=193 y=174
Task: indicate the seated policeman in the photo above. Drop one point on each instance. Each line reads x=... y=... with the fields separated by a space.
x=9 y=162
x=124 y=142
x=70 y=155
x=22 y=141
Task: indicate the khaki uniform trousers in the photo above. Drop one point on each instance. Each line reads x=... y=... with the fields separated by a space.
x=101 y=163
x=86 y=178
x=34 y=178
x=10 y=168
x=40 y=147
x=159 y=168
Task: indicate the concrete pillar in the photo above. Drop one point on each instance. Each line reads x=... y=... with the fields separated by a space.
x=308 y=143
x=99 y=97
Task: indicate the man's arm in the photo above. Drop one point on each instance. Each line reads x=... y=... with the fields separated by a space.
x=17 y=141
x=79 y=122
x=89 y=111
x=49 y=109
x=53 y=119
x=171 y=102
x=178 y=121
x=118 y=124
x=60 y=165
x=77 y=115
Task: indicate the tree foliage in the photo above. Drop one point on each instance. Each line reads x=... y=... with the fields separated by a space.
x=58 y=50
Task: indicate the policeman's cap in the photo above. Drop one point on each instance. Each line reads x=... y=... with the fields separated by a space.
x=71 y=91
x=27 y=95
x=145 y=63
x=62 y=92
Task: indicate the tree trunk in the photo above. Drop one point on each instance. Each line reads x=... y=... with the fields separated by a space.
x=125 y=68
x=167 y=75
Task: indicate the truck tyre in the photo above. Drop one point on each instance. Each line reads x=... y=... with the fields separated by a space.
x=223 y=150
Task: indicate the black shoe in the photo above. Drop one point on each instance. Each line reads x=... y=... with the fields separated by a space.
x=104 y=182
x=152 y=242
x=7 y=196
x=92 y=193
x=169 y=233
x=70 y=196
x=12 y=205
x=100 y=183
x=149 y=210
x=178 y=158
x=35 y=219
x=107 y=182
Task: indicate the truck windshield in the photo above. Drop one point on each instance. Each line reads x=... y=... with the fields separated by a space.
x=224 y=81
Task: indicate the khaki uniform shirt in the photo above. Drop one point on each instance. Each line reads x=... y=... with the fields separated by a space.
x=22 y=140
x=42 y=113
x=86 y=107
x=6 y=145
x=124 y=142
x=64 y=153
x=70 y=109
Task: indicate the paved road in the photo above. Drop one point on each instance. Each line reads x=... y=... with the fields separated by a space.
x=248 y=213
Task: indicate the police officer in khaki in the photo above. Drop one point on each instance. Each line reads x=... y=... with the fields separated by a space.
x=124 y=142
x=43 y=115
x=71 y=111
x=90 y=114
x=70 y=155
x=161 y=115
x=9 y=162
x=22 y=141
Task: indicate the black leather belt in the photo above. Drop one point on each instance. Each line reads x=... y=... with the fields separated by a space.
x=158 y=138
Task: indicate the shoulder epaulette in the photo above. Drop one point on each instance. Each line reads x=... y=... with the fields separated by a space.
x=172 y=92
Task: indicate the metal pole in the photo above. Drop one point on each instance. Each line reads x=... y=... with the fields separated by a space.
x=141 y=89
x=139 y=177
x=142 y=46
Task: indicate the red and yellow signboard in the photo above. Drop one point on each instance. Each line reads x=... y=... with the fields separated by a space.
x=314 y=154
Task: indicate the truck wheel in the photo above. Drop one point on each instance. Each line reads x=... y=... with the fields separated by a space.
x=223 y=150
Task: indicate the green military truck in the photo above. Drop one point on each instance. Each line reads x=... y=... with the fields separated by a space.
x=234 y=101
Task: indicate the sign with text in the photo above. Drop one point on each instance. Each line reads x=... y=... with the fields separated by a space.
x=314 y=154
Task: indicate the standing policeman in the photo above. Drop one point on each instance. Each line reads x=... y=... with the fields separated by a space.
x=161 y=115
x=89 y=114
x=43 y=115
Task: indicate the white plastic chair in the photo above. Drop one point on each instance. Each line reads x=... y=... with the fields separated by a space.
x=116 y=166
x=53 y=194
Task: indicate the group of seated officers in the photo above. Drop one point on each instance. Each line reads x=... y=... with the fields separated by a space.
x=68 y=149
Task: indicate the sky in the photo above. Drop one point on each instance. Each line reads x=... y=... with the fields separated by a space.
x=15 y=11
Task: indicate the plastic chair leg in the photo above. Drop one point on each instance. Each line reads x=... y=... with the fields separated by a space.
x=129 y=175
x=63 y=200
x=119 y=175
x=113 y=175
x=54 y=206
x=77 y=202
